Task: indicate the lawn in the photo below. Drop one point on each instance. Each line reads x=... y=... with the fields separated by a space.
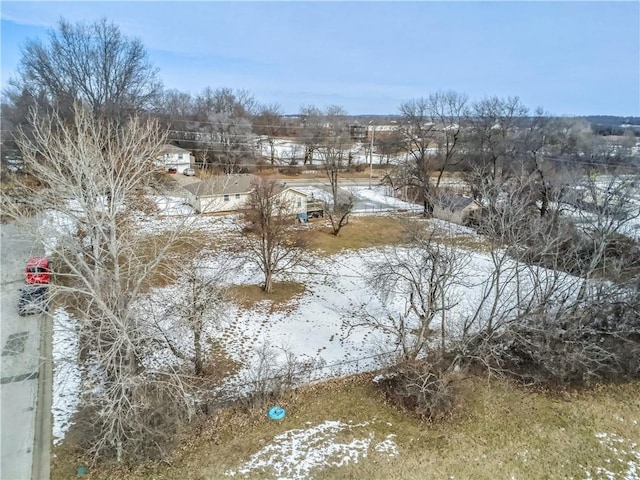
x=497 y=430
x=361 y=232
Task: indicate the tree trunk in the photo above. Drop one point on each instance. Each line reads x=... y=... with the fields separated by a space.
x=268 y=282
x=197 y=346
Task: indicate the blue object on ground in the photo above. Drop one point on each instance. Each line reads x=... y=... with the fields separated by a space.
x=82 y=471
x=276 y=413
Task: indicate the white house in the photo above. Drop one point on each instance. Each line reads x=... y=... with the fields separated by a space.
x=230 y=193
x=294 y=199
x=172 y=156
x=225 y=193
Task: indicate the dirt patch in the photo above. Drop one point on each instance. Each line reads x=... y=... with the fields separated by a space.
x=280 y=299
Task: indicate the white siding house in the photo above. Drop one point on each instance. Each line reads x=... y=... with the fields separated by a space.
x=226 y=193
x=293 y=199
x=172 y=156
x=230 y=193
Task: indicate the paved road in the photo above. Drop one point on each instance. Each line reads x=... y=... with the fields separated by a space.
x=19 y=364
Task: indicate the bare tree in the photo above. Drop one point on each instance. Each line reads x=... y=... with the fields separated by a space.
x=421 y=277
x=192 y=314
x=91 y=175
x=270 y=242
x=312 y=131
x=388 y=145
x=268 y=122
x=544 y=313
x=226 y=115
x=417 y=131
x=495 y=123
x=334 y=151
x=92 y=63
x=449 y=112
x=175 y=105
x=609 y=206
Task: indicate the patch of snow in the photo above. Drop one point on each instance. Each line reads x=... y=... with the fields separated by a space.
x=378 y=199
x=451 y=228
x=387 y=446
x=625 y=459
x=172 y=206
x=293 y=455
x=66 y=373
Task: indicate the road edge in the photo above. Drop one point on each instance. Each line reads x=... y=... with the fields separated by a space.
x=41 y=465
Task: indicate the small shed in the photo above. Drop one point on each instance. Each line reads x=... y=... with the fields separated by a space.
x=456 y=209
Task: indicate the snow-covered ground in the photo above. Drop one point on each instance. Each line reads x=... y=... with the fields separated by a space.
x=294 y=454
x=311 y=328
x=366 y=199
x=314 y=327
x=66 y=373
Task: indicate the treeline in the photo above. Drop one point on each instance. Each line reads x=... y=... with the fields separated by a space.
x=229 y=128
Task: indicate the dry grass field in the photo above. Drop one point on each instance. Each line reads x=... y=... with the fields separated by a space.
x=497 y=431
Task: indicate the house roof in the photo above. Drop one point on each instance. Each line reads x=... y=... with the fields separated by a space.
x=168 y=148
x=455 y=202
x=281 y=187
x=223 y=184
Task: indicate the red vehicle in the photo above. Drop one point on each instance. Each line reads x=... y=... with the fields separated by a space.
x=38 y=271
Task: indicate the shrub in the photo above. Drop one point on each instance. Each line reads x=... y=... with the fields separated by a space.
x=421 y=389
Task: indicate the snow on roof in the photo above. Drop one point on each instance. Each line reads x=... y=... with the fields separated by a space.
x=454 y=203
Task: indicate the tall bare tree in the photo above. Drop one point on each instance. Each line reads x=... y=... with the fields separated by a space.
x=334 y=152
x=93 y=63
x=192 y=314
x=420 y=277
x=417 y=131
x=495 y=122
x=449 y=112
x=312 y=131
x=92 y=175
x=270 y=242
x=227 y=118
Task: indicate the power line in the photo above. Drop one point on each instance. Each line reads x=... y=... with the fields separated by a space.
x=634 y=161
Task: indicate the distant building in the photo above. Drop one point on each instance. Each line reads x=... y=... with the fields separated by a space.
x=358 y=132
x=172 y=156
x=456 y=209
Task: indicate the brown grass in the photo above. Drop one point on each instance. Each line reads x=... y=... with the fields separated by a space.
x=282 y=295
x=498 y=431
x=181 y=250
x=360 y=232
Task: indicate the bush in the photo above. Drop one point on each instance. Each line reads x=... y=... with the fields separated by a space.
x=597 y=342
x=421 y=389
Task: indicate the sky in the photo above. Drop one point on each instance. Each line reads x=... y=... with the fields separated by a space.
x=571 y=58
